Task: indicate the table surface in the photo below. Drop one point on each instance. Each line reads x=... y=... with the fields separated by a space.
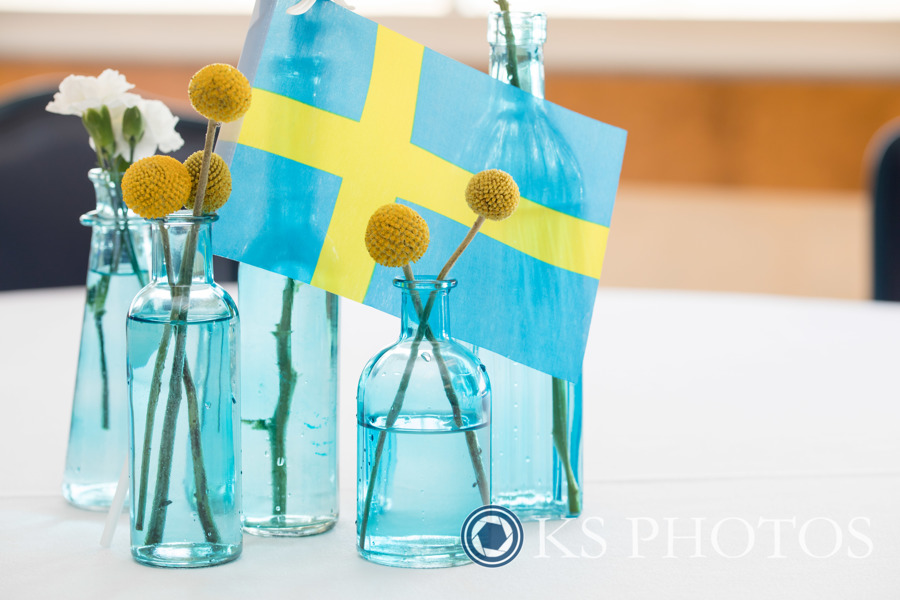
x=708 y=417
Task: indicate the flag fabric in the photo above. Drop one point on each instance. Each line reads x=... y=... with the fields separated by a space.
x=348 y=115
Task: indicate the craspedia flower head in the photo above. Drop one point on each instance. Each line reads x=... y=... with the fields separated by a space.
x=396 y=235
x=156 y=186
x=492 y=194
x=220 y=92
x=218 y=185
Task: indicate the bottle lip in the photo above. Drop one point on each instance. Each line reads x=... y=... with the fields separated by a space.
x=425 y=283
x=95 y=218
x=182 y=217
x=106 y=215
x=534 y=23
x=99 y=173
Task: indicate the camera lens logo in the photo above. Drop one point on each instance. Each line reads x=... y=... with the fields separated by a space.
x=492 y=536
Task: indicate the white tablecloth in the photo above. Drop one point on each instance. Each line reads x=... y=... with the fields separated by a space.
x=707 y=418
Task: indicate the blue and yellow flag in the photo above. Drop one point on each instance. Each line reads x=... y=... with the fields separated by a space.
x=348 y=115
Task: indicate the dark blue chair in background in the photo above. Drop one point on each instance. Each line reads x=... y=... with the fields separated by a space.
x=885 y=184
x=44 y=160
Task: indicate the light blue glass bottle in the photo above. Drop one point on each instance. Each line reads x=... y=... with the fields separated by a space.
x=423 y=409
x=117 y=270
x=183 y=339
x=290 y=400
x=536 y=418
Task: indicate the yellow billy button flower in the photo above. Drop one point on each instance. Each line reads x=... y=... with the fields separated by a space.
x=220 y=93
x=396 y=235
x=218 y=186
x=156 y=186
x=492 y=194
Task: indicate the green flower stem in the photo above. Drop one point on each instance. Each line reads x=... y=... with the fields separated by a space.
x=201 y=486
x=98 y=294
x=203 y=178
x=512 y=59
x=118 y=207
x=167 y=443
x=161 y=500
x=560 y=421
x=471 y=439
x=97 y=297
x=389 y=421
x=104 y=371
x=561 y=442
x=287 y=381
x=155 y=387
x=459 y=250
x=170 y=420
x=394 y=411
x=180 y=303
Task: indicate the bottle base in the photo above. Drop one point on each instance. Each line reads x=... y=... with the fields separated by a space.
x=185 y=555
x=96 y=497
x=288 y=525
x=535 y=508
x=422 y=552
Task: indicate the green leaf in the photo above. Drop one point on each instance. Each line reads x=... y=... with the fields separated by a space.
x=132 y=126
x=99 y=126
x=121 y=165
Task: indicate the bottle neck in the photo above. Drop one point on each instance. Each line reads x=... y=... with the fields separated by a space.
x=182 y=250
x=110 y=206
x=529 y=32
x=421 y=300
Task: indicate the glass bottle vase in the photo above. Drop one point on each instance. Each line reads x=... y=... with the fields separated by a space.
x=423 y=410
x=117 y=270
x=536 y=419
x=290 y=400
x=183 y=339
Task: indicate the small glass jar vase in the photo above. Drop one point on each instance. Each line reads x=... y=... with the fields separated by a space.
x=536 y=420
x=423 y=409
x=290 y=399
x=117 y=270
x=183 y=339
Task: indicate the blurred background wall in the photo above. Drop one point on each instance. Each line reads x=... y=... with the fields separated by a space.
x=746 y=165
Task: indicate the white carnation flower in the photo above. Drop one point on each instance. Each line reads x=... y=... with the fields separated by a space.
x=159 y=131
x=77 y=93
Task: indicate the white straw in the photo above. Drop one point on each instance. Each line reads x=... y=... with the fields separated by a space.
x=118 y=502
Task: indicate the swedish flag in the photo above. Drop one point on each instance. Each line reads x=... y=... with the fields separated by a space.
x=348 y=115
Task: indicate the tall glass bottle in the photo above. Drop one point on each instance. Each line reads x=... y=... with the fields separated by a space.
x=536 y=418
x=290 y=400
x=117 y=270
x=183 y=339
x=423 y=409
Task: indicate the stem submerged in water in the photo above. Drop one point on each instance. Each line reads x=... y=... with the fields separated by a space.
x=475 y=452
x=287 y=381
x=97 y=294
x=180 y=375
x=561 y=442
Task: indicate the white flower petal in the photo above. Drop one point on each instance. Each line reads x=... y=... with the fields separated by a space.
x=77 y=93
x=159 y=129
